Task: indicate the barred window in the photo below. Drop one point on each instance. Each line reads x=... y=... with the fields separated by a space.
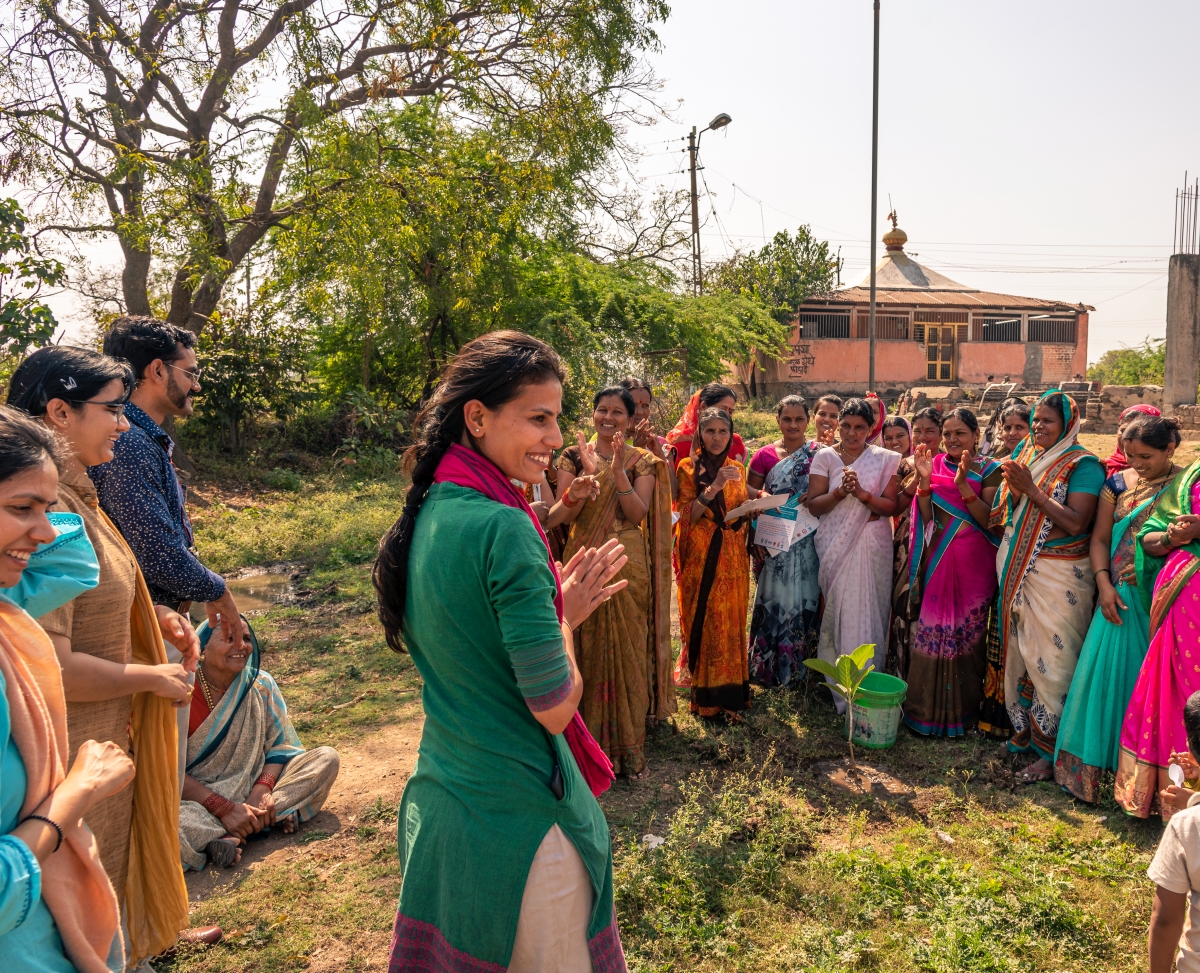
x=889 y=325
x=1048 y=330
x=997 y=327
x=824 y=324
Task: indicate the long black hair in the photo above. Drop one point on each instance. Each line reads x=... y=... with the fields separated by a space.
x=74 y=375
x=493 y=369
x=24 y=443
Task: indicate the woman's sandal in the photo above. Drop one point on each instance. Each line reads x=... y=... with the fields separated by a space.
x=221 y=853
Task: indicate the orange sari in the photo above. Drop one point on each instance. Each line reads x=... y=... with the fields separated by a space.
x=715 y=665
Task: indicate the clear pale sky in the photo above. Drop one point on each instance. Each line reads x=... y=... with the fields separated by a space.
x=1030 y=148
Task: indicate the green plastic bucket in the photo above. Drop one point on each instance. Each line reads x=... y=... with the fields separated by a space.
x=876 y=712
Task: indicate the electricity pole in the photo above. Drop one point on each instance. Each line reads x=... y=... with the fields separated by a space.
x=874 y=199
x=693 y=154
x=697 y=282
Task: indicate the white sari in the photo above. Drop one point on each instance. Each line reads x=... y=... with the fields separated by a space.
x=855 y=557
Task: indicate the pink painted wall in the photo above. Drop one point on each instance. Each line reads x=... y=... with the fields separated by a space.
x=843 y=361
x=979 y=359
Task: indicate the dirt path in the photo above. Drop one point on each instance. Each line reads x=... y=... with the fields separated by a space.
x=376 y=766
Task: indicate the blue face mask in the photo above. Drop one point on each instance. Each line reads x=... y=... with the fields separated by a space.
x=57 y=572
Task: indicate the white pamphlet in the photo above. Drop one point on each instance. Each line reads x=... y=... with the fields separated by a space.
x=765 y=502
x=778 y=530
x=775 y=529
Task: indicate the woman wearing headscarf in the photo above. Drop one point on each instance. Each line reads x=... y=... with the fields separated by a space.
x=1117 y=461
x=784 y=626
x=852 y=488
x=505 y=853
x=680 y=440
x=246 y=767
x=1045 y=507
x=58 y=910
x=714 y=573
x=118 y=683
x=1089 y=738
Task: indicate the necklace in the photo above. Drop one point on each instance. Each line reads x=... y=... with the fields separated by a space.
x=206 y=689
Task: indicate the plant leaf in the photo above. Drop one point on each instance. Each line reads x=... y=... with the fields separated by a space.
x=862 y=655
x=823 y=667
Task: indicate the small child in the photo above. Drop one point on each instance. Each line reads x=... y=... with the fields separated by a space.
x=1176 y=867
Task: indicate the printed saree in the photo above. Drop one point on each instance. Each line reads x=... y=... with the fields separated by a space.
x=1089 y=737
x=784 y=626
x=713 y=599
x=855 y=555
x=1153 y=725
x=993 y=717
x=624 y=646
x=1049 y=588
x=248 y=729
x=945 y=674
x=906 y=602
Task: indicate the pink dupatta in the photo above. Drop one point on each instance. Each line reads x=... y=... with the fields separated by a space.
x=466 y=468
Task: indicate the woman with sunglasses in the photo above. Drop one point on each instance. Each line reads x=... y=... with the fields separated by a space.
x=118 y=684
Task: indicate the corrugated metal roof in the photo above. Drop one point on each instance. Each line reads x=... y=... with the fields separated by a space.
x=915 y=297
x=902 y=282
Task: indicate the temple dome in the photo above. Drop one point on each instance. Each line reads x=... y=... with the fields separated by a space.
x=897 y=271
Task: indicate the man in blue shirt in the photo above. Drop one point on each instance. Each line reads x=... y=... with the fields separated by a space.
x=139 y=489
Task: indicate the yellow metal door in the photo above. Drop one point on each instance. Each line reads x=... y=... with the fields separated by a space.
x=939 y=353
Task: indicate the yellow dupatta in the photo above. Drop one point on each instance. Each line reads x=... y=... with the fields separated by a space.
x=156 y=902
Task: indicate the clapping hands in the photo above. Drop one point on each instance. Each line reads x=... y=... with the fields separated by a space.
x=587 y=454
x=923 y=464
x=584 y=579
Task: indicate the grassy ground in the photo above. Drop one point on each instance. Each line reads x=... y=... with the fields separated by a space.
x=772 y=859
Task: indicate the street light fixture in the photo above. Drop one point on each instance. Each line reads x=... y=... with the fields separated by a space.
x=693 y=149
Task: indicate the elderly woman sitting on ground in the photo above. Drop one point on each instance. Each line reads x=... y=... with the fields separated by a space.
x=246 y=769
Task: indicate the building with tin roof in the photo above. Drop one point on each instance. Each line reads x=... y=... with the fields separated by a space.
x=929 y=330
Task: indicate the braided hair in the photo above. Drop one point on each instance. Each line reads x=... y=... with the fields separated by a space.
x=491 y=369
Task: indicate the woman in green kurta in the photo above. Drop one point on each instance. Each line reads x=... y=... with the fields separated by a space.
x=504 y=850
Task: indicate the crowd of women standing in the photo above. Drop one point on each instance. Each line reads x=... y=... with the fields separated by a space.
x=970 y=558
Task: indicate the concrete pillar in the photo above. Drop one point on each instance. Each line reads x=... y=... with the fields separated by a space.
x=1182 y=370
x=1079 y=360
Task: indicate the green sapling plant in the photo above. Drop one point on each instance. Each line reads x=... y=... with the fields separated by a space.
x=846 y=678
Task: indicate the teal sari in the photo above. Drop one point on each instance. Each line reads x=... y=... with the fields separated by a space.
x=1089 y=736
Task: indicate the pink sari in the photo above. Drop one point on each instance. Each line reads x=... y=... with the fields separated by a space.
x=1153 y=724
x=948 y=651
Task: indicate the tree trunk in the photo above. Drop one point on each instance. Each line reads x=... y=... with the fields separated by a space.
x=134 y=278
x=366 y=363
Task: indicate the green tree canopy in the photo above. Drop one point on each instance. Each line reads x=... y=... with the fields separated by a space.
x=185 y=129
x=1139 y=365
x=24 y=317
x=781 y=275
x=466 y=231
